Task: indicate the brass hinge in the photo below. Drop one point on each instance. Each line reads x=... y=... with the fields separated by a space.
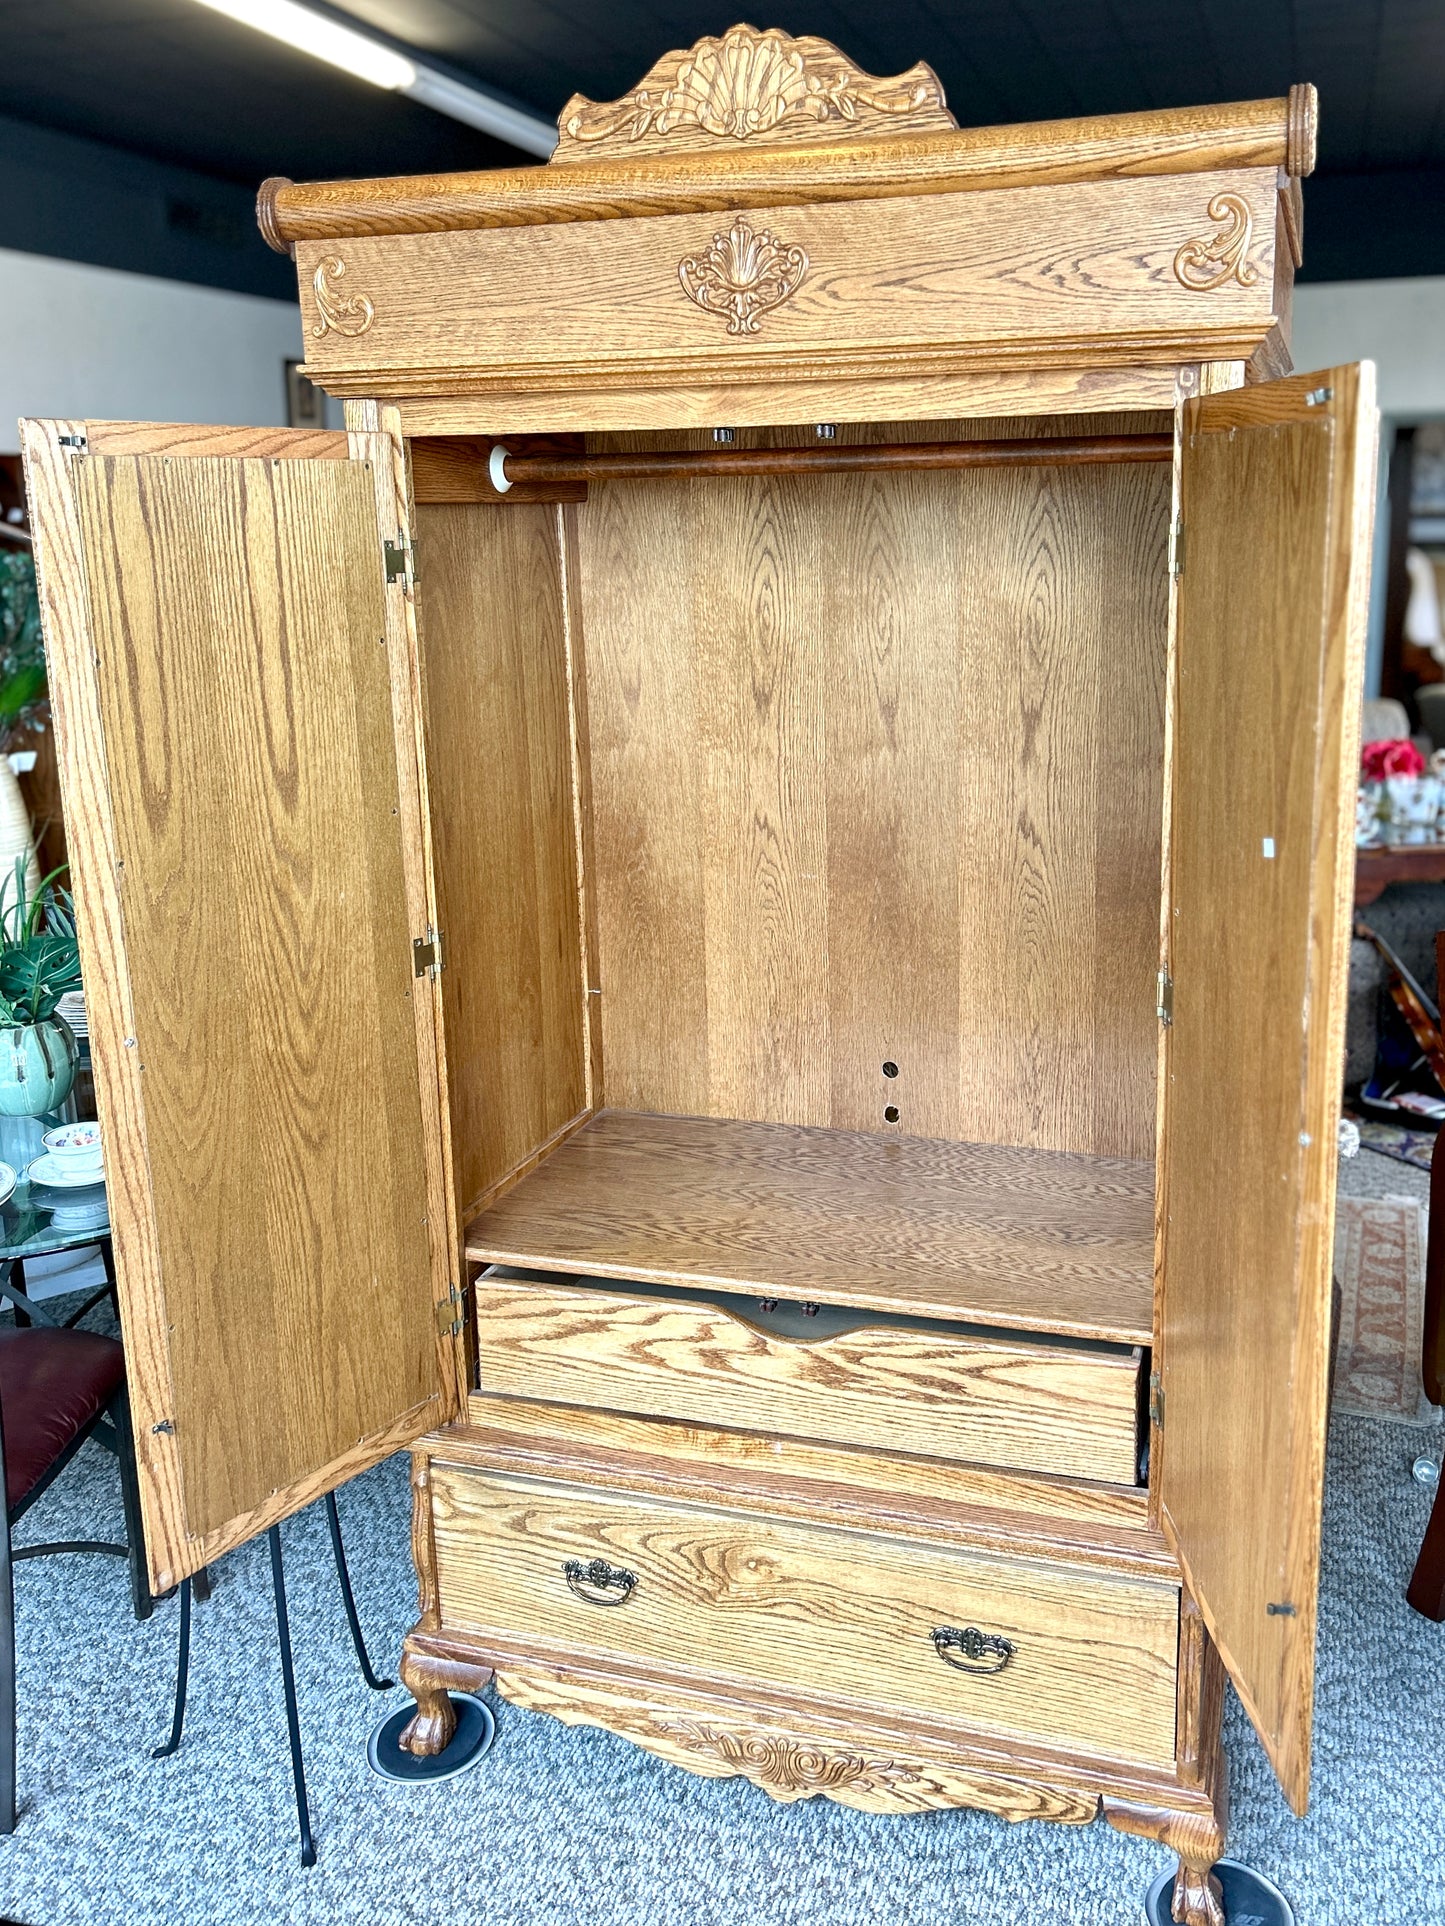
x=1176 y=547
x=426 y=954
x=449 y=1314
x=1164 y=1009
x=1156 y=1400
x=397 y=558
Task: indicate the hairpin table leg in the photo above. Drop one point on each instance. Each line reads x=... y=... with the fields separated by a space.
x=288 y=1682
x=333 y=1519
x=183 y=1673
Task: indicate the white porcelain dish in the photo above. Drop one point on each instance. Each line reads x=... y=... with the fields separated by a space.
x=49 y=1170
x=8 y=1181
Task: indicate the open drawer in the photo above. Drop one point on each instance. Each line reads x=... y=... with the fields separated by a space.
x=1057 y=1655
x=958 y=1391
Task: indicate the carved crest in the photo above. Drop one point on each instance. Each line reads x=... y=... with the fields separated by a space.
x=1216 y=258
x=337 y=311
x=742 y=274
x=748 y=85
x=780 y=1765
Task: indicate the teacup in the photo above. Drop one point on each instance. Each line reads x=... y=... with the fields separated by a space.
x=75 y=1146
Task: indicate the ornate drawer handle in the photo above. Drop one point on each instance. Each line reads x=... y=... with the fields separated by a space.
x=975 y=1646
x=601 y=1578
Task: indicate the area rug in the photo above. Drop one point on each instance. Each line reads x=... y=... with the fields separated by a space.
x=1393 y=1140
x=1380 y=1266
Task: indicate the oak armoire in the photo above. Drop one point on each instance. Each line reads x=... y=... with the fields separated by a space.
x=727 y=917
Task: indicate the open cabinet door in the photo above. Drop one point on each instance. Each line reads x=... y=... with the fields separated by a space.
x=235 y=703
x=1276 y=493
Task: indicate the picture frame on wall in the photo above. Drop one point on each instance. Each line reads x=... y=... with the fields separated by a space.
x=305 y=402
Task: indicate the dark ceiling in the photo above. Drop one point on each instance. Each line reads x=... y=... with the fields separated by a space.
x=201 y=109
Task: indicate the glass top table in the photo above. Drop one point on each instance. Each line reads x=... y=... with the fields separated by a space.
x=41 y=1218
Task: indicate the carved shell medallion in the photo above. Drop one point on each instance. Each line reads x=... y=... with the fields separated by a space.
x=742 y=274
x=780 y=1765
x=743 y=84
x=336 y=311
x=1214 y=259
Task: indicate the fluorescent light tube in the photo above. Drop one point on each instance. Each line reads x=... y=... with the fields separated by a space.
x=312 y=33
x=356 y=53
x=445 y=96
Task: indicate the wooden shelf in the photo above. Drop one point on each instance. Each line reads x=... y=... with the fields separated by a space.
x=1029 y=1239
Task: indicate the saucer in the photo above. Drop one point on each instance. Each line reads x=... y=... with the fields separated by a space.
x=55 y=1175
x=8 y=1181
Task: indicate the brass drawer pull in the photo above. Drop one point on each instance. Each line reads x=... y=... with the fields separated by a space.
x=976 y=1646
x=593 y=1580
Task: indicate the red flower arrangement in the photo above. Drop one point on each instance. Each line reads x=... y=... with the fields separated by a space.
x=1390 y=758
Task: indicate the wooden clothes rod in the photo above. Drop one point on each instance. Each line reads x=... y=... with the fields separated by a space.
x=687 y=464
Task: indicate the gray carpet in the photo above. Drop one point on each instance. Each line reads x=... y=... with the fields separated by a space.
x=561 y=1825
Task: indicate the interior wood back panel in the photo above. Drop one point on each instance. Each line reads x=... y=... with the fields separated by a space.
x=877 y=777
x=499 y=762
x=244 y=683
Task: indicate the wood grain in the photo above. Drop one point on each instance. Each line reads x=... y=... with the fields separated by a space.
x=902 y=396
x=1032 y=1408
x=1027 y=1239
x=844 y=1616
x=1104 y=147
x=890 y=1488
x=722 y=1740
x=917 y=733
x=119 y=1086
x=192 y=438
x=502 y=811
x=297 y=1284
x=1276 y=497
x=374 y=438
x=1032 y=276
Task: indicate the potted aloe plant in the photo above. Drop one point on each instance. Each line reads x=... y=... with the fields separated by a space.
x=39 y=964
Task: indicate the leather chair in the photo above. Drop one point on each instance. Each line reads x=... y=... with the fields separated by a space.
x=58 y=1387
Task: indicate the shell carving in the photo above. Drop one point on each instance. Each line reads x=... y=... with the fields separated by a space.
x=743 y=85
x=742 y=274
x=1216 y=258
x=336 y=311
x=780 y=1765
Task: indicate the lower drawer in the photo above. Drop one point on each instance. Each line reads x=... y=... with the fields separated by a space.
x=904 y=1384
x=1079 y=1660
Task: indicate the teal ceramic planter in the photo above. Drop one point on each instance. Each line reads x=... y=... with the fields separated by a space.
x=37 y=1067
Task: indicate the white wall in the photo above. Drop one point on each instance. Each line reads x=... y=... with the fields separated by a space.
x=1399 y=325
x=88 y=341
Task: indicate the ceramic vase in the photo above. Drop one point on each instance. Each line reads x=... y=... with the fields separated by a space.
x=37 y=1066
x=15 y=838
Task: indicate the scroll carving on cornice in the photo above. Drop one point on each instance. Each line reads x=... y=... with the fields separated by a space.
x=1213 y=259
x=338 y=312
x=741 y=274
x=752 y=86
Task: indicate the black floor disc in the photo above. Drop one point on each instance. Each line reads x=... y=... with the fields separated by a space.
x=476 y=1728
x=1249 y=1898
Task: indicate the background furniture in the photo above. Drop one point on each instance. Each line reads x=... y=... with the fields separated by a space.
x=288 y=1670
x=37 y=1221
x=833 y=525
x=1427 y=1583
x=58 y=1387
